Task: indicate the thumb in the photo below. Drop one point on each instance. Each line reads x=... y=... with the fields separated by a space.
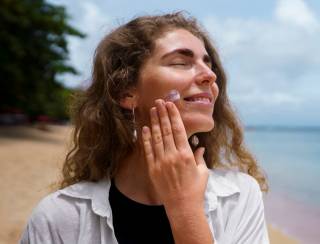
x=198 y=155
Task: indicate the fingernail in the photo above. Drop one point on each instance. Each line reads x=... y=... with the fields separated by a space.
x=153 y=111
x=169 y=104
x=160 y=101
x=145 y=129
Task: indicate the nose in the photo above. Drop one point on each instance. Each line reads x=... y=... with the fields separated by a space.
x=205 y=75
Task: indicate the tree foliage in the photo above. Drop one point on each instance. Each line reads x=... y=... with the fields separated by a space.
x=33 y=51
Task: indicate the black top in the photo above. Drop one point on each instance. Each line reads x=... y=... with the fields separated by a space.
x=137 y=223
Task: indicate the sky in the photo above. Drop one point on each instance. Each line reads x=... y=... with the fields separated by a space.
x=270 y=50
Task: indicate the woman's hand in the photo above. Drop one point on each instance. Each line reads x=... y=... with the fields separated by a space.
x=179 y=176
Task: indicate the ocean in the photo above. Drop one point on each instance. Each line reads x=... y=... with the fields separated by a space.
x=291 y=160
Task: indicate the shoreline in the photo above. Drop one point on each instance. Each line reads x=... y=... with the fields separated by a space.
x=294 y=218
x=278 y=236
x=31 y=159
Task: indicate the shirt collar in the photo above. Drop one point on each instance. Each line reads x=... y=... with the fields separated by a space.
x=97 y=192
x=219 y=185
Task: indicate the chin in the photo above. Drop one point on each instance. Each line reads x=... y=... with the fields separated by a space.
x=207 y=127
x=198 y=126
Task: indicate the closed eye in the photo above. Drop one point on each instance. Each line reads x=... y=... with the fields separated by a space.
x=181 y=65
x=178 y=64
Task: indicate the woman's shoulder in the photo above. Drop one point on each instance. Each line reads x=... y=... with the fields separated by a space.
x=235 y=176
x=70 y=198
x=235 y=181
x=52 y=216
x=56 y=208
x=61 y=211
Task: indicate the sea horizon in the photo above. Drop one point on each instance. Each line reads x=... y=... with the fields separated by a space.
x=293 y=128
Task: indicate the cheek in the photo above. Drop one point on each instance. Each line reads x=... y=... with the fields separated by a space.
x=159 y=87
x=215 y=90
x=150 y=90
x=149 y=94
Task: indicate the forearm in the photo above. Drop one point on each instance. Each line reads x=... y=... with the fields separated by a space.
x=189 y=225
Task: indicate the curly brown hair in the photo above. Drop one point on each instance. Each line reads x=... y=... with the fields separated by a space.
x=103 y=130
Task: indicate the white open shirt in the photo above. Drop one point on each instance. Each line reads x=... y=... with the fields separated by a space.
x=81 y=213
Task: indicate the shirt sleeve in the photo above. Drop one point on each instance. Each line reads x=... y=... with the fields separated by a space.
x=40 y=229
x=52 y=221
x=251 y=228
x=36 y=233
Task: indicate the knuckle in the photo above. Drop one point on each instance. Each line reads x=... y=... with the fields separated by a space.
x=157 y=139
x=185 y=156
x=171 y=159
x=146 y=143
x=155 y=172
x=146 y=138
x=167 y=131
x=149 y=154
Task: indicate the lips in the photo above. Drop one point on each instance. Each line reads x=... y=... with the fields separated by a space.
x=203 y=97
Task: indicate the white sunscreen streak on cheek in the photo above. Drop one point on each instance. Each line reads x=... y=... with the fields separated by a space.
x=173 y=96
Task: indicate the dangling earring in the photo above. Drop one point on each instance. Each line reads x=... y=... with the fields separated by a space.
x=135 y=135
x=194 y=140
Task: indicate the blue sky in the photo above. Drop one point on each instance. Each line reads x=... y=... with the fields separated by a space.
x=270 y=50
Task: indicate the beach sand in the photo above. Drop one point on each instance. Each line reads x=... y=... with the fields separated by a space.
x=30 y=163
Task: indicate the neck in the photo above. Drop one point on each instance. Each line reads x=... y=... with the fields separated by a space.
x=133 y=180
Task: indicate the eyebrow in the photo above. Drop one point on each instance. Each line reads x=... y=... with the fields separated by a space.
x=188 y=53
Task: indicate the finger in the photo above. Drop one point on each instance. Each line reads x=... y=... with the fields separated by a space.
x=177 y=126
x=147 y=146
x=198 y=156
x=156 y=134
x=201 y=163
x=167 y=136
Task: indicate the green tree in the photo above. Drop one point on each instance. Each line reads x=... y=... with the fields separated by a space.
x=33 y=52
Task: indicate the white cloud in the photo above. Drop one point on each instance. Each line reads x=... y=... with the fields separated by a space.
x=272 y=65
x=296 y=12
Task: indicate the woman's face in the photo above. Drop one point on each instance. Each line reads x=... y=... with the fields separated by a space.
x=180 y=62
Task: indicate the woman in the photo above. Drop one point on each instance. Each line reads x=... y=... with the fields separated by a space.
x=132 y=176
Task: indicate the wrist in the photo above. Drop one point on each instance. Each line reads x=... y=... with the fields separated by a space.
x=182 y=210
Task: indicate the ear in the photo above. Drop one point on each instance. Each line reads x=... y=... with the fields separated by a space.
x=129 y=99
